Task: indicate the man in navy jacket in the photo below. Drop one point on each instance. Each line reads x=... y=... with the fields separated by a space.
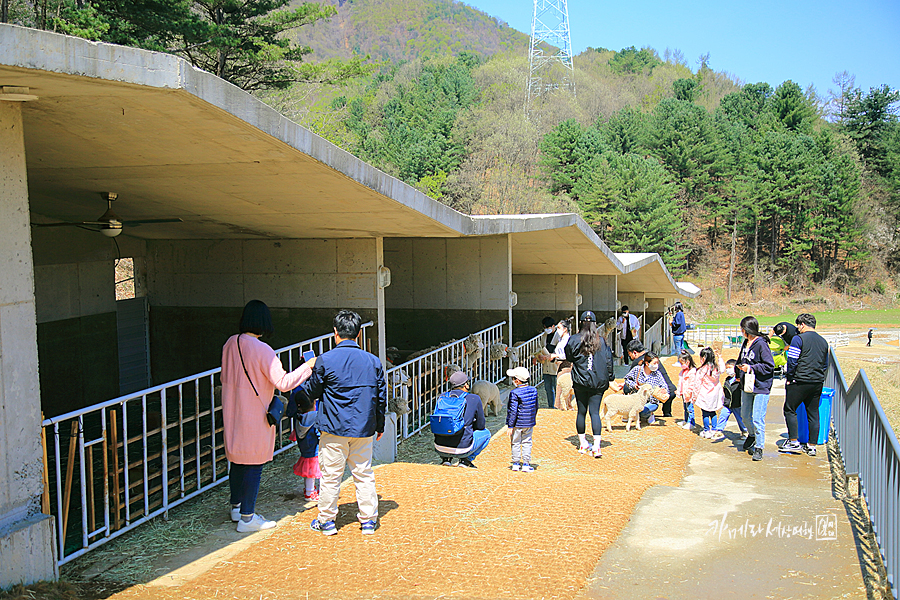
x=474 y=437
x=351 y=385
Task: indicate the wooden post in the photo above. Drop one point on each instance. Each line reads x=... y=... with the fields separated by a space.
x=114 y=432
x=90 y=487
x=70 y=475
x=45 y=496
x=105 y=481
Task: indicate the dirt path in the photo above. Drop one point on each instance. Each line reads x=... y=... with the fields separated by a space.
x=451 y=532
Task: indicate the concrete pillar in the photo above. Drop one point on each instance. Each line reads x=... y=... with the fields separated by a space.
x=575 y=298
x=379 y=298
x=27 y=548
x=509 y=280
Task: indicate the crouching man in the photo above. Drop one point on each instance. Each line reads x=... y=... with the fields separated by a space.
x=473 y=438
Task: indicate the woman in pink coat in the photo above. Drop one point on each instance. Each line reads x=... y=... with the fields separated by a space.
x=250 y=373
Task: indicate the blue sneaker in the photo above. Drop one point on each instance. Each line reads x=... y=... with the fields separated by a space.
x=369 y=527
x=327 y=528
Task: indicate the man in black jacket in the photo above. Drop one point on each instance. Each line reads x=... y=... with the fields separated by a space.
x=635 y=351
x=807 y=361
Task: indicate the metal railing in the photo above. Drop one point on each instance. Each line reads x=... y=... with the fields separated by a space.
x=133 y=458
x=870 y=451
x=705 y=335
x=526 y=352
x=426 y=376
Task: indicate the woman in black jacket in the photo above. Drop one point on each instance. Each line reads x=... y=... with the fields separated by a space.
x=755 y=357
x=592 y=370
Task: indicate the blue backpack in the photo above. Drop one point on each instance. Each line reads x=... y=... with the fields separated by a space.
x=449 y=414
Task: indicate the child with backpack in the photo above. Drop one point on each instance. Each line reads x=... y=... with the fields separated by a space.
x=732 y=406
x=521 y=417
x=307 y=437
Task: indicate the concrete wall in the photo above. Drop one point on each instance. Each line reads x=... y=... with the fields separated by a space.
x=75 y=295
x=197 y=289
x=541 y=296
x=26 y=536
x=444 y=288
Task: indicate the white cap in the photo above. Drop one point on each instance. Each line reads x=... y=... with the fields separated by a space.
x=520 y=373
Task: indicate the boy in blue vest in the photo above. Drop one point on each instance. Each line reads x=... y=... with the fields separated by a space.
x=521 y=417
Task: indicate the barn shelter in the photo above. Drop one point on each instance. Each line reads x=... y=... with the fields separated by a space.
x=242 y=204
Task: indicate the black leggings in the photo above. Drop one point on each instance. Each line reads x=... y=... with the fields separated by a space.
x=588 y=400
x=807 y=394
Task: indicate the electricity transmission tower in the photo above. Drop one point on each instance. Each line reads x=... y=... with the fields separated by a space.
x=551 y=46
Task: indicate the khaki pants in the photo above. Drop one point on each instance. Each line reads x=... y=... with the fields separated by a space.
x=334 y=453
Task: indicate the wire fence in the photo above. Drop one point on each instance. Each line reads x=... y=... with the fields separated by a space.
x=115 y=465
x=870 y=451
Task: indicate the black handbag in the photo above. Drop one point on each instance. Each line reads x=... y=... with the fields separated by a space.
x=276 y=406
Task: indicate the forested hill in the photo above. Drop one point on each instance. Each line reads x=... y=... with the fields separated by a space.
x=399 y=30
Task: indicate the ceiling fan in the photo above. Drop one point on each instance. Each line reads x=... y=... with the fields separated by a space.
x=109 y=224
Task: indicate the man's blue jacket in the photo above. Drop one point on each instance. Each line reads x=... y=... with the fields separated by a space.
x=353 y=391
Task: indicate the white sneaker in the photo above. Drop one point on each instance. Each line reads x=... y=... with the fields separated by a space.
x=651 y=419
x=257 y=523
x=716 y=435
x=235 y=515
x=705 y=433
x=687 y=426
x=516 y=466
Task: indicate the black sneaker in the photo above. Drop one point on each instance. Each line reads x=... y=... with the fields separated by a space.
x=792 y=446
x=757 y=454
x=445 y=462
x=749 y=442
x=465 y=462
x=810 y=450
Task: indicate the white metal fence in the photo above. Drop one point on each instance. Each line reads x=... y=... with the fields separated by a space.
x=871 y=452
x=133 y=458
x=705 y=335
x=426 y=376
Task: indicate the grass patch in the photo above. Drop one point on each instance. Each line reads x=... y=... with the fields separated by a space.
x=826 y=319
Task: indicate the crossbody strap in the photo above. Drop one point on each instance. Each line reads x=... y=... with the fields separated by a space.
x=241 y=354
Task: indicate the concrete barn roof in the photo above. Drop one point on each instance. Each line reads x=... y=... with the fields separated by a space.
x=174 y=141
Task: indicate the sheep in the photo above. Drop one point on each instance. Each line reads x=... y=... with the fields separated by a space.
x=398 y=392
x=473 y=348
x=625 y=404
x=565 y=393
x=489 y=394
x=498 y=351
x=515 y=354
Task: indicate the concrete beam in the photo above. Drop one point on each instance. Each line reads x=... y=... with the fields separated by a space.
x=26 y=536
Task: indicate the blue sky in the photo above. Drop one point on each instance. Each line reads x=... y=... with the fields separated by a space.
x=762 y=40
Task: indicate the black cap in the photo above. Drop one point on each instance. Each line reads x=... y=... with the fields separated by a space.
x=588 y=316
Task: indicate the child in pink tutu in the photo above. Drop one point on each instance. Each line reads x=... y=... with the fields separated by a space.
x=307 y=437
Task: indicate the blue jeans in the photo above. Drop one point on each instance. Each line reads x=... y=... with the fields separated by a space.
x=727 y=412
x=243 y=480
x=753 y=409
x=649 y=409
x=689 y=413
x=550 y=389
x=709 y=419
x=481 y=439
x=677 y=344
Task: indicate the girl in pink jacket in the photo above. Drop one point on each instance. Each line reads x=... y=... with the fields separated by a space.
x=251 y=371
x=685 y=388
x=708 y=394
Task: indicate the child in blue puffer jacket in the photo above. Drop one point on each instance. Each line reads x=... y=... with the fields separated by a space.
x=521 y=417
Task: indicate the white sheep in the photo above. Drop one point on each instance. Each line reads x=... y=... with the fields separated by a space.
x=498 y=351
x=473 y=348
x=625 y=404
x=489 y=394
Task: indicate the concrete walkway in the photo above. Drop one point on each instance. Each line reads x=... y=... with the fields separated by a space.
x=735 y=528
